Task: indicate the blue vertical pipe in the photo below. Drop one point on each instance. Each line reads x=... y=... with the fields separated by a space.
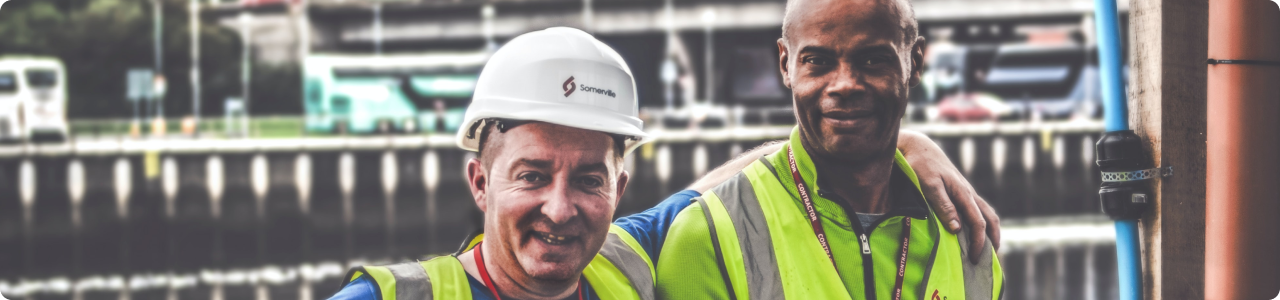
x=1115 y=112
x=1128 y=249
x=1128 y=259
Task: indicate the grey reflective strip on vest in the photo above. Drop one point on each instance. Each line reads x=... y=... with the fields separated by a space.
x=715 y=245
x=630 y=264
x=739 y=198
x=411 y=281
x=978 y=278
x=933 y=257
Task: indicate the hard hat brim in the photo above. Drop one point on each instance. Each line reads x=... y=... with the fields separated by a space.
x=566 y=114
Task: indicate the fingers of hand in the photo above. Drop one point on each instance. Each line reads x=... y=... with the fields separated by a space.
x=977 y=235
x=978 y=223
x=969 y=209
x=993 y=222
x=935 y=191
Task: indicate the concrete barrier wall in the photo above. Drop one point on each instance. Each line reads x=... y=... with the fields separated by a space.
x=286 y=224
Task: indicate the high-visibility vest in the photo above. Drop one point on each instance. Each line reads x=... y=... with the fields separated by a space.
x=621 y=270
x=754 y=213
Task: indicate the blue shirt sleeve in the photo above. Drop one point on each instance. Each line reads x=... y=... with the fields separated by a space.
x=360 y=289
x=650 y=226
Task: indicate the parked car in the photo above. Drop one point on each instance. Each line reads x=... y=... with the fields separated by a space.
x=958 y=69
x=971 y=107
x=950 y=70
x=1053 y=82
x=33 y=99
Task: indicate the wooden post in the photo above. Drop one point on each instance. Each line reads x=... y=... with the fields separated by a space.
x=1167 y=100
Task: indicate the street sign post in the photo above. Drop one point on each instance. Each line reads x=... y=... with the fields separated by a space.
x=235 y=120
x=140 y=81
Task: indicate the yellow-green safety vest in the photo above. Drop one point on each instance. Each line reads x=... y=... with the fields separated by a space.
x=765 y=243
x=621 y=270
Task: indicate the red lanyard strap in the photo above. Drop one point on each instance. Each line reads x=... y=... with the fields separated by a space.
x=816 y=223
x=902 y=260
x=808 y=207
x=484 y=274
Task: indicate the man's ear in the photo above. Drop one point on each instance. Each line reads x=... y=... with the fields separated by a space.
x=478 y=181
x=917 y=61
x=782 y=63
x=623 y=178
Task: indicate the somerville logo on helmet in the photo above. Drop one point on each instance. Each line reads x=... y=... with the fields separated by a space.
x=569 y=87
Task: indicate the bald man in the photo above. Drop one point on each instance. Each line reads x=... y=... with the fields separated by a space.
x=837 y=212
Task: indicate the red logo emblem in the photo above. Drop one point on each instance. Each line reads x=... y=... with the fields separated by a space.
x=568 y=86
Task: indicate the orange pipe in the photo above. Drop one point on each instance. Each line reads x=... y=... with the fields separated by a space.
x=1242 y=196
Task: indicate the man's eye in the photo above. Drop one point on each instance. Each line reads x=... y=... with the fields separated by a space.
x=591 y=182
x=874 y=60
x=531 y=177
x=818 y=61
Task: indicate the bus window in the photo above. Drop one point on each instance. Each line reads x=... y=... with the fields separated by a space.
x=313 y=92
x=341 y=105
x=42 y=78
x=8 y=82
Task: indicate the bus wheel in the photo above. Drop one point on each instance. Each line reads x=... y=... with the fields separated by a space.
x=409 y=126
x=384 y=127
x=340 y=127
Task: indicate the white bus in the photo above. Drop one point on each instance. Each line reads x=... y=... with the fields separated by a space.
x=33 y=99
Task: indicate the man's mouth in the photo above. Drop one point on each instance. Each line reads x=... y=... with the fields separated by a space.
x=848 y=115
x=554 y=239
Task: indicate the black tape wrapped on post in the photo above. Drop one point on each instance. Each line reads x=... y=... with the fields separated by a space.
x=1244 y=62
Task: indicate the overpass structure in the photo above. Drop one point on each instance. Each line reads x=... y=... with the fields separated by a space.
x=449 y=20
x=282 y=30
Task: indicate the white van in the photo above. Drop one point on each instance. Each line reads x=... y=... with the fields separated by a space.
x=33 y=99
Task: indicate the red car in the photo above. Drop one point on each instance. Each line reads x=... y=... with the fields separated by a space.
x=972 y=107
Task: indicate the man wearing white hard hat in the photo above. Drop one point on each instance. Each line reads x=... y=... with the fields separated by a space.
x=553 y=115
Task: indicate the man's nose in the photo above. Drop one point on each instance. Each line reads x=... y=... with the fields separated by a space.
x=846 y=83
x=558 y=206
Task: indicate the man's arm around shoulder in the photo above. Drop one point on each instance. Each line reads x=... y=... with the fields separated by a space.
x=650 y=227
x=688 y=268
x=360 y=289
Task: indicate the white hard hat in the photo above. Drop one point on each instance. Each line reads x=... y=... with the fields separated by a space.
x=558 y=75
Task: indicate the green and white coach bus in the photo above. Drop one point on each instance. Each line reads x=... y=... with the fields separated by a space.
x=388 y=93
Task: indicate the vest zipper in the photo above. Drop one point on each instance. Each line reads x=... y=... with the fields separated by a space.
x=868 y=269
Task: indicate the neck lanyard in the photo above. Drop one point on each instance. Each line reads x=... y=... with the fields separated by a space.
x=816 y=223
x=484 y=274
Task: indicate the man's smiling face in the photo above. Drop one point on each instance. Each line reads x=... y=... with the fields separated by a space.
x=849 y=64
x=548 y=193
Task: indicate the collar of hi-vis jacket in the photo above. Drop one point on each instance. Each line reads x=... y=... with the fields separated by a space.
x=906 y=197
x=620 y=270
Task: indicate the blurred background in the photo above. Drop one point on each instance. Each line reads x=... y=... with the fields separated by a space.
x=175 y=149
